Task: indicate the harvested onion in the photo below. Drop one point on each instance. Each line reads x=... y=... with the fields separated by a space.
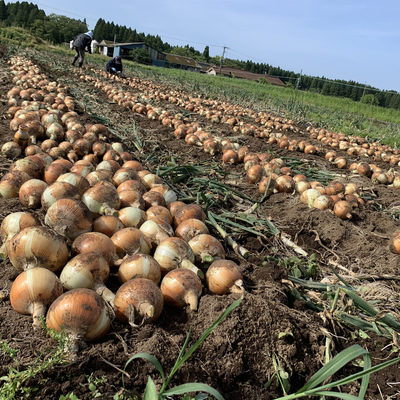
x=82 y=313
x=181 y=287
x=33 y=291
x=139 y=266
x=88 y=270
x=38 y=246
x=138 y=301
x=224 y=277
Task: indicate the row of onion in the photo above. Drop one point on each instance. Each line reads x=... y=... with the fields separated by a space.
x=102 y=211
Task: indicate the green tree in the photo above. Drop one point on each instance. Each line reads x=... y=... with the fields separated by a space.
x=206 y=53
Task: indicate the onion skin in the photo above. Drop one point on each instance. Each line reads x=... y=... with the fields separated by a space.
x=80 y=182
x=14 y=223
x=38 y=246
x=343 y=209
x=174 y=253
x=107 y=224
x=57 y=191
x=88 y=270
x=102 y=199
x=224 y=277
x=139 y=266
x=33 y=291
x=206 y=249
x=181 y=287
x=11 y=183
x=394 y=243
x=189 y=228
x=69 y=218
x=308 y=196
x=97 y=242
x=82 y=313
x=189 y=211
x=138 y=301
x=30 y=193
x=129 y=241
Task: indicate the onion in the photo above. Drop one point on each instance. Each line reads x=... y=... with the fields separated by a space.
x=99 y=175
x=55 y=131
x=11 y=150
x=175 y=206
x=189 y=228
x=30 y=193
x=131 y=198
x=308 y=196
x=152 y=198
x=206 y=249
x=224 y=277
x=324 y=202
x=80 y=182
x=335 y=187
x=58 y=190
x=394 y=243
x=168 y=194
x=107 y=224
x=38 y=246
x=102 y=199
x=82 y=169
x=134 y=164
x=159 y=212
x=181 y=287
x=189 y=211
x=132 y=217
x=14 y=223
x=82 y=146
x=156 y=231
x=88 y=270
x=11 y=183
x=255 y=173
x=129 y=241
x=343 y=209
x=124 y=174
x=139 y=266
x=109 y=165
x=285 y=184
x=82 y=313
x=28 y=166
x=132 y=185
x=33 y=291
x=69 y=217
x=150 y=180
x=174 y=253
x=138 y=301
x=97 y=242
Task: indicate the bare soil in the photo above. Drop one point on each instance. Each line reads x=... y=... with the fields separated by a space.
x=270 y=323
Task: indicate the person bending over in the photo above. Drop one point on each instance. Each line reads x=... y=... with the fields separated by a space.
x=80 y=44
x=114 y=66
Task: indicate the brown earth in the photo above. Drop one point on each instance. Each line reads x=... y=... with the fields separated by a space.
x=270 y=323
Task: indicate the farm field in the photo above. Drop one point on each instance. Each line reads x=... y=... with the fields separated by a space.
x=315 y=283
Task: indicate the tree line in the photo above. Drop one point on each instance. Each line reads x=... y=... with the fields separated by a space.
x=59 y=29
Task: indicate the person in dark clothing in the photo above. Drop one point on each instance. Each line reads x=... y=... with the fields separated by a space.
x=81 y=43
x=114 y=66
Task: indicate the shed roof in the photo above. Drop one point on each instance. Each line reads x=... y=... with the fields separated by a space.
x=240 y=73
x=182 y=60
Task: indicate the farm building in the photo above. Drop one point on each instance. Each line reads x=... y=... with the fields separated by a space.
x=111 y=49
x=182 y=62
x=239 y=73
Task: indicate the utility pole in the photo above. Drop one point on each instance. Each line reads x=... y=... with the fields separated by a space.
x=222 y=59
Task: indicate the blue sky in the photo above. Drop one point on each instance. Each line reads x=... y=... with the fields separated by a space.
x=343 y=39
